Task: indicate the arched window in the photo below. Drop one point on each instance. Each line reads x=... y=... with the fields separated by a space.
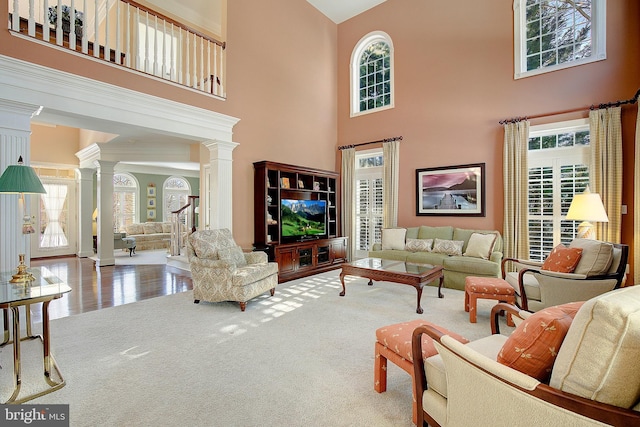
x=175 y=192
x=372 y=74
x=125 y=196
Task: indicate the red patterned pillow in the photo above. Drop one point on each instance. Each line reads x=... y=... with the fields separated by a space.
x=562 y=259
x=534 y=344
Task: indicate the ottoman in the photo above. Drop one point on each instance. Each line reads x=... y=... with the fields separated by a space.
x=393 y=343
x=486 y=288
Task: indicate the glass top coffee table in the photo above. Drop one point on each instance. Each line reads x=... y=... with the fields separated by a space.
x=406 y=273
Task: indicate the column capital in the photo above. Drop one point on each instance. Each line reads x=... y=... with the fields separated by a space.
x=220 y=149
x=17 y=115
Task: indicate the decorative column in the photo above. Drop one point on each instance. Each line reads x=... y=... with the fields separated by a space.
x=84 y=176
x=15 y=141
x=105 y=216
x=220 y=183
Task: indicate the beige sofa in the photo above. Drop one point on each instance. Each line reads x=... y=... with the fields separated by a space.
x=594 y=379
x=150 y=235
x=414 y=246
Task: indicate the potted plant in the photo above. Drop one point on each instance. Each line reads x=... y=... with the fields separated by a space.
x=66 y=19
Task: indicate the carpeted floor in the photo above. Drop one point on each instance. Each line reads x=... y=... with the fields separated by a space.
x=301 y=358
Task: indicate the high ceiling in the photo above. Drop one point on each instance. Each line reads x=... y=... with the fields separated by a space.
x=341 y=10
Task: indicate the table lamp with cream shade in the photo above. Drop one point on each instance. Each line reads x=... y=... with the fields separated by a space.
x=21 y=179
x=587 y=207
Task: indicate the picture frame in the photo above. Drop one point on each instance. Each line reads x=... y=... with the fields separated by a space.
x=151 y=202
x=451 y=190
x=300 y=184
x=151 y=191
x=316 y=186
x=151 y=214
x=284 y=182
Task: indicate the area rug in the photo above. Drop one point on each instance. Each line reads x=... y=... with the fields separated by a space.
x=147 y=257
x=301 y=358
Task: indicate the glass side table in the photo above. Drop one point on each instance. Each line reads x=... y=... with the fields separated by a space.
x=43 y=289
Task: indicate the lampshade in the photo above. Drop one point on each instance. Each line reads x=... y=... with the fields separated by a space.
x=587 y=206
x=20 y=179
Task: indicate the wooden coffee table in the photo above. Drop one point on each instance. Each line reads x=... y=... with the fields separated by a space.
x=416 y=275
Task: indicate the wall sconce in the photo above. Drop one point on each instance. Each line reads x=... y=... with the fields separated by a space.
x=21 y=179
x=587 y=207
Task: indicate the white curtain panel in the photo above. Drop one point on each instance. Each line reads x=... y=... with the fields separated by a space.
x=348 y=191
x=391 y=160
x=516 y=188
x=636 y=207
x=606 y=168
x=53 y=200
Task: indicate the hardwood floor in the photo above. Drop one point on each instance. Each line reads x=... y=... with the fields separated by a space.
x=95 y=288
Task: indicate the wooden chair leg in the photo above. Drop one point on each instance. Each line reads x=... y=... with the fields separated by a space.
x=273 y=291
x=466 y=301
x=243 y=306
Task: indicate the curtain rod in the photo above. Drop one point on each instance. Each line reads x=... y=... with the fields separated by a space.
x=395 y=138
x=592 y=107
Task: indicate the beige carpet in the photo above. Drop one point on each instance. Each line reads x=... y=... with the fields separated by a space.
x=301 y=358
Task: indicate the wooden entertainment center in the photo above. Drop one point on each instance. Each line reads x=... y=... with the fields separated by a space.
x=304 y=256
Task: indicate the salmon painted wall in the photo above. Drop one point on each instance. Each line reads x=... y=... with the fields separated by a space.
x=281 y=84
x=454 y=82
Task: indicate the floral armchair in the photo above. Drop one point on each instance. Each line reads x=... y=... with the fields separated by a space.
x=222 y=272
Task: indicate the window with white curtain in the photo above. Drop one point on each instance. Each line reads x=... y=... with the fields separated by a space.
x=558 y=169
x=368 y=200
x=54 y=215
x=175 y=192
x=125 y=196
x=555 y=34
x=372 y=74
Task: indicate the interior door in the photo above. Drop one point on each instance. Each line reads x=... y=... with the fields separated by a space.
x=55 y=219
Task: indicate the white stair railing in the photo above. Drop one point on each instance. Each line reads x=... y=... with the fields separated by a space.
x=127 y=34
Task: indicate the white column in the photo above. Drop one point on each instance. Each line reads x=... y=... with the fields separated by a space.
x=220 y=183
x=84 y=176
x=105 y=213
x=15 y=141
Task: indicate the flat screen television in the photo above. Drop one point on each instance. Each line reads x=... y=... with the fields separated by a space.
x=303 y=219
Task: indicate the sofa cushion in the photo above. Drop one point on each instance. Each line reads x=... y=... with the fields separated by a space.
x=426 y=258
x=393 y=238
x=599 y=357
x=533 y=346
x=531 y=285
x=166 y=227
x=471 y=265
x=418 y=245
x=449 y=247
x=466 y=233
x=152 y=227
x=480 y=245
x=562 y=259
x=596 y=257
x=233 y=255
x=444 y=233
x=412 y=232
x=134 y=229
x=390 y=254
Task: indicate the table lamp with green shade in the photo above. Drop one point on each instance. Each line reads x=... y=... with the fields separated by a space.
x=21 y=179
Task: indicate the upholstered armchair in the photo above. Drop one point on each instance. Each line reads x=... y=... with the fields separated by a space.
x=221 y=271
x=601 y=267
x=569 y=365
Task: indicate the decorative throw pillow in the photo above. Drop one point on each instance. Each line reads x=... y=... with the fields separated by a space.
x=448 y=247
x=393 y=238
x=233 y=255
x=480 y=245
x=418 y=245
x=562 y=259
x=596 y=257
x=533 y=346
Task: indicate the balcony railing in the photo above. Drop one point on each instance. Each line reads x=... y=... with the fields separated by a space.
x=127 y=34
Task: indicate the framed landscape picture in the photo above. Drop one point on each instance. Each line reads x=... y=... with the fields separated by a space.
x=451 y=190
